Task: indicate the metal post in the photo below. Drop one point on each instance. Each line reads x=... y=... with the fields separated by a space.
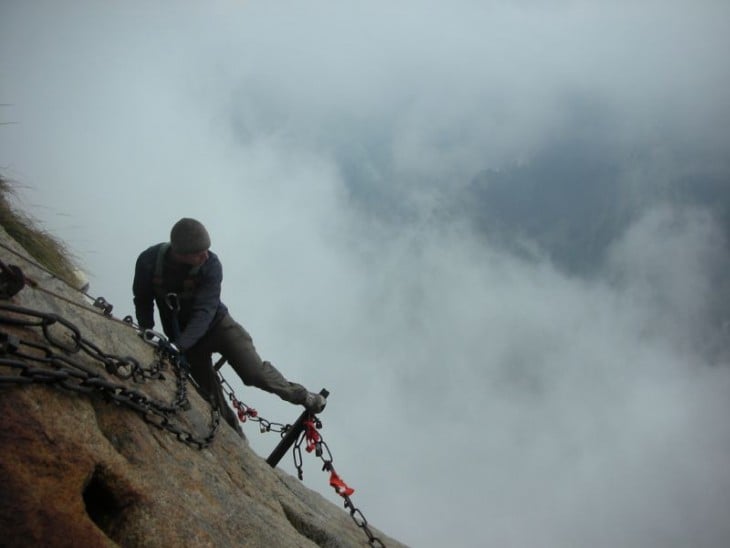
x=291 y=436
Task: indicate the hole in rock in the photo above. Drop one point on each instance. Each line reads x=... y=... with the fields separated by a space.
x=102 y=505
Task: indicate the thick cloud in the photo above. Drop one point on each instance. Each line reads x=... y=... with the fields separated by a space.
x=338 y=153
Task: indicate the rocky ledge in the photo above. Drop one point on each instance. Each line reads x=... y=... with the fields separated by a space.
x=92 y=456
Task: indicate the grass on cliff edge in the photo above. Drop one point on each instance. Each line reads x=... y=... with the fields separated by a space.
x=45 y=248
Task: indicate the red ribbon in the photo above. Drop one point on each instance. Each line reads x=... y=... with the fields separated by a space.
x=242 y=410
x=340 y=486
x=313 y=437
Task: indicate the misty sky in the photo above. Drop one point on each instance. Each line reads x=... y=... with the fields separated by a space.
x=479 y=397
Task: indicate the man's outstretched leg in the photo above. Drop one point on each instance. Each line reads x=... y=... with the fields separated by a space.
x=236 y=345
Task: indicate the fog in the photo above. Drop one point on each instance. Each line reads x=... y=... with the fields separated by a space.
x=479 y=397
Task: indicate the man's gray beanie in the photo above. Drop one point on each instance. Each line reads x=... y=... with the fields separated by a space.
x=189 y=236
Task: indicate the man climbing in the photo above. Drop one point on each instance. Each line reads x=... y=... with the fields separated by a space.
x=184 y=278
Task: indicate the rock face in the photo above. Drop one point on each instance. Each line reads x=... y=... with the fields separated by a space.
x=80 y=470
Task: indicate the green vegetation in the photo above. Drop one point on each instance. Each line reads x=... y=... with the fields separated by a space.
x=44 y=248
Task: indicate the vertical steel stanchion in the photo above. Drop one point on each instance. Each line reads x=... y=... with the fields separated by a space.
x=291 y=436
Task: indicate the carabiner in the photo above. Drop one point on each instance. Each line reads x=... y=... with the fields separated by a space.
x=173 y=302
x=152 y=337
x=104 y=305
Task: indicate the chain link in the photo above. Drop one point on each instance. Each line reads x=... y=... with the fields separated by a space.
x=246 y=412
x=42 y=364
x=316 y=443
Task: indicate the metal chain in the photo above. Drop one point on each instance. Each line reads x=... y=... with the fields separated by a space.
x=316 y=443
x=44 y=269
x=99 y=305
x=246 y=412
x=62 y=370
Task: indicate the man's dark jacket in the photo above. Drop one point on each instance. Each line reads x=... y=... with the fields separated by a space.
x=199 y=311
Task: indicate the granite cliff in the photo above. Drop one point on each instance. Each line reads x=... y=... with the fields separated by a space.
x=92 y=456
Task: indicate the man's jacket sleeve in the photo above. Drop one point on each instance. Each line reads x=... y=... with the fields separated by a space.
x=144 y=293
x=205 y=303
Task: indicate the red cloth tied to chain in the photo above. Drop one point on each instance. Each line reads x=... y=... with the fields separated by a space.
x=313 y=437
x=340 y=486
x=242 y=410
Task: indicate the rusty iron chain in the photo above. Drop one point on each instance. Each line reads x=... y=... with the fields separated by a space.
x=322 y=450
x=13 y=279
x=246 y=412
x=43 y=364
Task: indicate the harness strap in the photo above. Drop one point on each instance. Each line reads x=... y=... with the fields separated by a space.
x=158 y=281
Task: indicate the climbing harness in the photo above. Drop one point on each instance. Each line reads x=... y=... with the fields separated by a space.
x=158 y=279
x=173 y=303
